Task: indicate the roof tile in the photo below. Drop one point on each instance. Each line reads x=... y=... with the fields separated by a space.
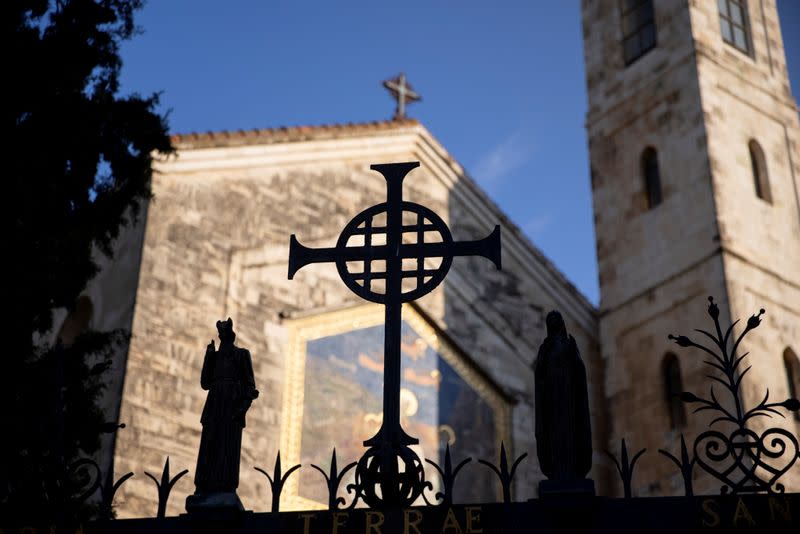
x=283 y=134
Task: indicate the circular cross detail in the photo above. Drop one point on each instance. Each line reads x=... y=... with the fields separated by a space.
x=401 y=486
x=359 y=279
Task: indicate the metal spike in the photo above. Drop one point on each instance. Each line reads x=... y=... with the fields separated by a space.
x=164 y=487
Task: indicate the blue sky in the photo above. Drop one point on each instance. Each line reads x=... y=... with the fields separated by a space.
x=502 y=82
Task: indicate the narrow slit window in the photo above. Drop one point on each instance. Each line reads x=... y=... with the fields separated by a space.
x=792 y=366
x=758 y=165
x=651 y=177
x=673 y=387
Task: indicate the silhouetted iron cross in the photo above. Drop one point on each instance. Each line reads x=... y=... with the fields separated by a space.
x=391 y=251
x=373 y=239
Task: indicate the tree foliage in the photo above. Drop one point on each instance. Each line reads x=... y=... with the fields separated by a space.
x=78 y=167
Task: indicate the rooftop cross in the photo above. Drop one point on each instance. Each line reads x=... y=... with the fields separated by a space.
x=383 y=262
x=402 y=92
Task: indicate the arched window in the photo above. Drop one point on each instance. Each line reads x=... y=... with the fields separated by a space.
x=758 y=164
x=792 y=366
x=673 y=387
x=652 y=177
x=76 y=322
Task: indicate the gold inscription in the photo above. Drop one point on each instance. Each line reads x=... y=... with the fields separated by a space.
x=450 y=522
x=473 y=518
x=307 y=522
x=339 y=519
x=374 y=522
x=409 y=523
x=742 y=513
x=712 y=518
x=775 y=507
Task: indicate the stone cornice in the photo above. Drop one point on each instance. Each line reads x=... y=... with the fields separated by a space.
x=284 y=134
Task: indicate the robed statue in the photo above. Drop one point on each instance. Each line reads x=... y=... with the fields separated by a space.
x=563 y=429
x=228 y=377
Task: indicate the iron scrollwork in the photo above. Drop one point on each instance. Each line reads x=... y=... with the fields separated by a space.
x=448 y=474
x=333 y=478
x=744 y=460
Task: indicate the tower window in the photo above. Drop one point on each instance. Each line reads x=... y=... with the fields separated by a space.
x=673 y=387
x=733 y=23
x=792 y=366
x=652 y=178
x=758 y=164
x=638 y=29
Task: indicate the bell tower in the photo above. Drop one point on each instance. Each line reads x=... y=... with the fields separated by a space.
x=695 y=169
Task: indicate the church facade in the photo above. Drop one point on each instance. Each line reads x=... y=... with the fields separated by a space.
x=693 y=138
x=216 y=246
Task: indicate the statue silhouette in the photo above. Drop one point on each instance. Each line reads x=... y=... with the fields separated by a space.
x=227 y=375
x=563 y=428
